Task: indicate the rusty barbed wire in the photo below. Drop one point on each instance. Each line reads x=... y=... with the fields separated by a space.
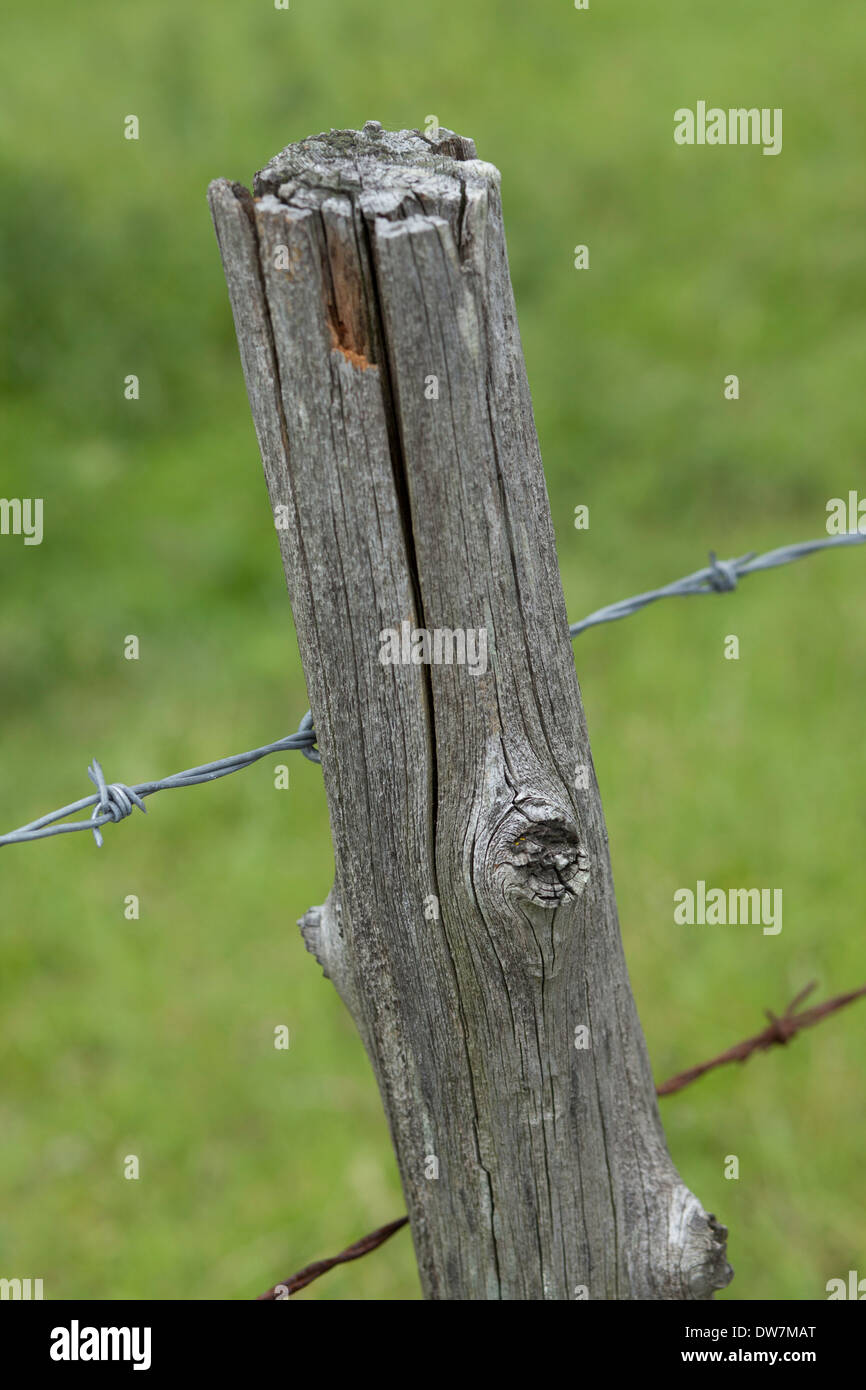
x=780 y=1031
x=305 y=1276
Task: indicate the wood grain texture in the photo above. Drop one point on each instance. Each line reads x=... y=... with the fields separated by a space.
x=472 y=928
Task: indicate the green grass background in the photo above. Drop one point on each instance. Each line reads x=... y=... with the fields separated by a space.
x=155 y=1037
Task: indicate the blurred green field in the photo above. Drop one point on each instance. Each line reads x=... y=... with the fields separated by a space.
x=155 y=1037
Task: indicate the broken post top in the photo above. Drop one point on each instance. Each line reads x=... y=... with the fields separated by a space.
x=389 y=171
x=352 y=181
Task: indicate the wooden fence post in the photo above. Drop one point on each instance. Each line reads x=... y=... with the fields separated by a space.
x=472 y=927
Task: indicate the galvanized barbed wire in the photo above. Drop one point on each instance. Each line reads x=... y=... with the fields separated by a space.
x=115 y=801
x=719 y=577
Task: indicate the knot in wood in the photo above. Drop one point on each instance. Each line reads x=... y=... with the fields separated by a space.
x=537 y=855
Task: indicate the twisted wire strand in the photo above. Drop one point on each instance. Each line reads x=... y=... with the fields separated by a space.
x=720 y=576
x=115 y=801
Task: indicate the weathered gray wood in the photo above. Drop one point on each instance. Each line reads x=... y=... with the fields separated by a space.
x=472 y=927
